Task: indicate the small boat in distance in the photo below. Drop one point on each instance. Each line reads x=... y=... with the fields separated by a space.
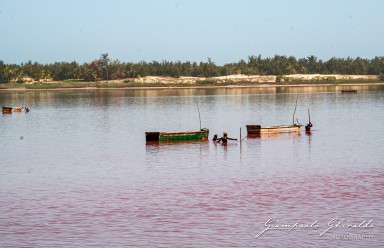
x=257 y=130
x=9 y=110
x=201 y=135
x=348 y=91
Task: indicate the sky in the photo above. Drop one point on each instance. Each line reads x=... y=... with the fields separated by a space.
x=226 y=31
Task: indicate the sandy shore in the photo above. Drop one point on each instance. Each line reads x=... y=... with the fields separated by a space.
x=231 y=81
x=255 y=78
x=232 y=86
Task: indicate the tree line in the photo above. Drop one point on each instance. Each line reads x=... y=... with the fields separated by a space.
x=106 y=69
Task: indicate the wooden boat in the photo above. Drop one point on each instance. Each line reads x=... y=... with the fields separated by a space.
x=201 y=135
x=348 y=91
x=8 y=110
x=257 y=130
x=274 y=135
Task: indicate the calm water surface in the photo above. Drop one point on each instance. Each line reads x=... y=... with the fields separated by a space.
x=76 y=172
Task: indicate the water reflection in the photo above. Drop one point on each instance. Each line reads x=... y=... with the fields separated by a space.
x=108 y=96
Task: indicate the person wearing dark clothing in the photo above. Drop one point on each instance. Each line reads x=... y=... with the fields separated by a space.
x=308 y=127
x=215 y=138
x=224 y=139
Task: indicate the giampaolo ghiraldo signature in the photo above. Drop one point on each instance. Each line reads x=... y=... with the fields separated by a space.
x=335 y=223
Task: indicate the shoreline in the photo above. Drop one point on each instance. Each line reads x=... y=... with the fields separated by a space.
x=231 y=81
x=232 y=86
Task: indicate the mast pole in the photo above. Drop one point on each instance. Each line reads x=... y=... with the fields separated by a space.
x=293 y=119
x=198 y=109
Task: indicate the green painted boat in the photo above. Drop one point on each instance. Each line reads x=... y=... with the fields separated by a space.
x=201 y=135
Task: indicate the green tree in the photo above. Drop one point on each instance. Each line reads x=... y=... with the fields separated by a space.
x=2 y=68
x=381 y=77
x=63 y=70
x=104 y=63
x=12 y=73
x=312 y=64
x=34 y=70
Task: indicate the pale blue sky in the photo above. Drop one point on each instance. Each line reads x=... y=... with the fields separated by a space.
x=224 y=30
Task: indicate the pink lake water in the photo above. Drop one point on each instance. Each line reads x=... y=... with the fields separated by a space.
x=76 y=172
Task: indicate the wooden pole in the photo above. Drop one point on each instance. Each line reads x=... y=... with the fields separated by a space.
x=241 y=143
x=293 y=119
x=198 y=109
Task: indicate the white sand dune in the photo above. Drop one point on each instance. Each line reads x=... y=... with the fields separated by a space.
x=254 y=78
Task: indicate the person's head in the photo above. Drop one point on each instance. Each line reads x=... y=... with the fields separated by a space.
x=215 y=136
x=225 y=134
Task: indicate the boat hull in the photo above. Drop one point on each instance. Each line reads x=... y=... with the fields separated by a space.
x=9 y=110
x=257 y=130
x=177 y=136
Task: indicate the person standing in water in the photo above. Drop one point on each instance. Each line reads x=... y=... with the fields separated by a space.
x=224 y=139
x=308 y=127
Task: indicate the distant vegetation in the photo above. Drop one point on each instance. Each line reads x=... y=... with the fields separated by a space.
x=106 y=69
